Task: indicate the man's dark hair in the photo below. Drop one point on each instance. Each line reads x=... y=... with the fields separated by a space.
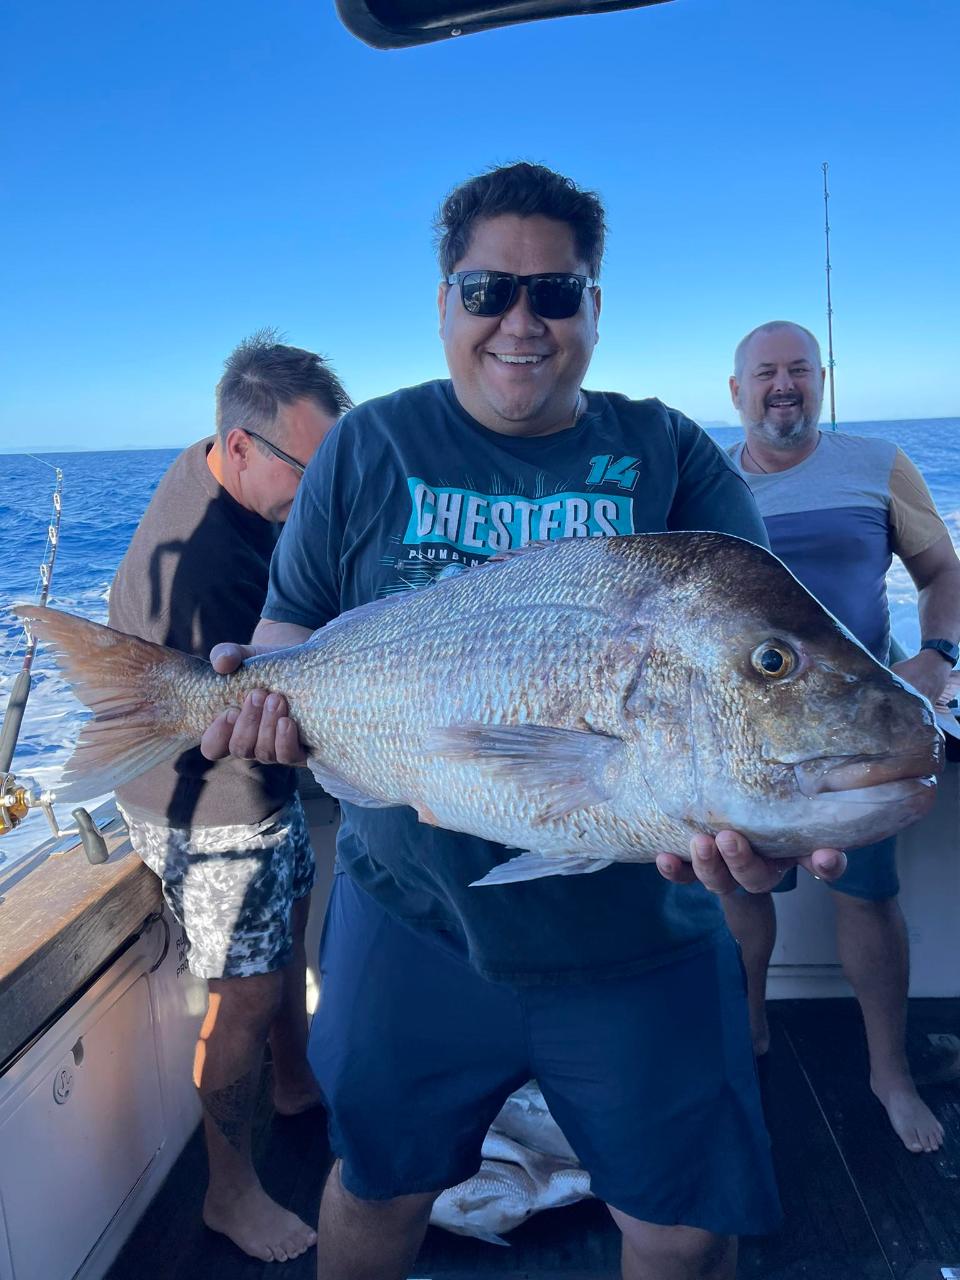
x=262 y=374
x=525 y=190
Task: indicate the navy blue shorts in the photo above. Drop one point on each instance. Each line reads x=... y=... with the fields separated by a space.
x=651 y=1078
x=871 y=873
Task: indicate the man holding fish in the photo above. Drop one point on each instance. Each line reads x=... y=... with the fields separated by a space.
x=618 y=991
x=507 y=740
x=836 y=507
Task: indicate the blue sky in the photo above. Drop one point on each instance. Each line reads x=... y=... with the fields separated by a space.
x=179 y=175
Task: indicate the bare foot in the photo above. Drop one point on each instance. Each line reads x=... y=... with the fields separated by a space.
x=913 y=1121
x=259 y=1226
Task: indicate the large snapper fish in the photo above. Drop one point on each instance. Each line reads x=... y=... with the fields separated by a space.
x=587 y=702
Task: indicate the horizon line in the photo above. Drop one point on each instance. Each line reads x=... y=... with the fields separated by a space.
x=706 y=424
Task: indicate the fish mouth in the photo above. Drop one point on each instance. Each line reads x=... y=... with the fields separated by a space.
x=900 y=774
x=884 y=793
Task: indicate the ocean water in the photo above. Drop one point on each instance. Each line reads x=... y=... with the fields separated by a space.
x=104 y=495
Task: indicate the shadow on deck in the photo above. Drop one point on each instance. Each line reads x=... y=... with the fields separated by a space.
x=858 y=1205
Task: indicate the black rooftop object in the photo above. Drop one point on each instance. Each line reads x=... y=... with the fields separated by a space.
x=395 y=24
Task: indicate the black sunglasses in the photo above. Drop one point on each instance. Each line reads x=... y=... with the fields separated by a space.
x=554 y=295
x=298 y=466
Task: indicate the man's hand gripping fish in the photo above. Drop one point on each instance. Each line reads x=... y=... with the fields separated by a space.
x=590 y=701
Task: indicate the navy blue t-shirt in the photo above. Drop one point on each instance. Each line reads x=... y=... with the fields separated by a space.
x=404 y=487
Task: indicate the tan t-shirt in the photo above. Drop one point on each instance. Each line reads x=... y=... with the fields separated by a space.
x=195 y=575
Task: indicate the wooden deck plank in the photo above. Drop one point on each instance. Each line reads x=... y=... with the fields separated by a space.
x=825 y=1230
x=911 y=1200
x=578 y=1240
x=857 y=1208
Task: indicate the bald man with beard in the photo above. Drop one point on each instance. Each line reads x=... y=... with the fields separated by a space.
x=835 y=507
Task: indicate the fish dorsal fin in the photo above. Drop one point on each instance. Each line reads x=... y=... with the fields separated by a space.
x=536 y=866
x=512 y=552
x=368 y=610
x=374 y=607
x=337 y=786
x=569 y=766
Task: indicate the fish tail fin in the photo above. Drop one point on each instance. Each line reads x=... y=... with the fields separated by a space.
x=130 y=686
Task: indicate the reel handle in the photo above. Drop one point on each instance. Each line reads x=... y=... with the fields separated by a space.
x=94 y=845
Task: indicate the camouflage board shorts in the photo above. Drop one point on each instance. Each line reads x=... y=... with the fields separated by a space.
x=232 y=888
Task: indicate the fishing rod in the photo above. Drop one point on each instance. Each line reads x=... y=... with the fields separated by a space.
x=830 y=360
x=17 y=702
x=18 y=798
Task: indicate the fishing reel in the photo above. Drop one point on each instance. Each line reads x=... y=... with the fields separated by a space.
x=15 y=803
x=18 y=798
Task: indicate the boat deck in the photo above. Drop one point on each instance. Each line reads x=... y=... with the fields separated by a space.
x=858 y=1205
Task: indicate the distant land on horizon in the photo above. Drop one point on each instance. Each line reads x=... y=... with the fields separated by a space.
x=706 y=423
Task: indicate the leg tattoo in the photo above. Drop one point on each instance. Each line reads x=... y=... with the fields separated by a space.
x=231 y=1108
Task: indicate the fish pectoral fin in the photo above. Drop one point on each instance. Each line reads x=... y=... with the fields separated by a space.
x=569 y=766
x=337 y=786
x=534 y=866
x=427 y=816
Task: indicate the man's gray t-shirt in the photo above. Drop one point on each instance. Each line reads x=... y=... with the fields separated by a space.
x=837 y=518
x=195 y=575
x=409 y=484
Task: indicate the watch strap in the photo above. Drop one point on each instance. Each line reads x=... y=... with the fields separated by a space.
x=946 y=649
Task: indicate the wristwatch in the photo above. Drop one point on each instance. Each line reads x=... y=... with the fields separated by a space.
x=949 y=652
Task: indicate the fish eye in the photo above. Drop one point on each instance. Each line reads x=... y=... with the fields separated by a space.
x=774 y=659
